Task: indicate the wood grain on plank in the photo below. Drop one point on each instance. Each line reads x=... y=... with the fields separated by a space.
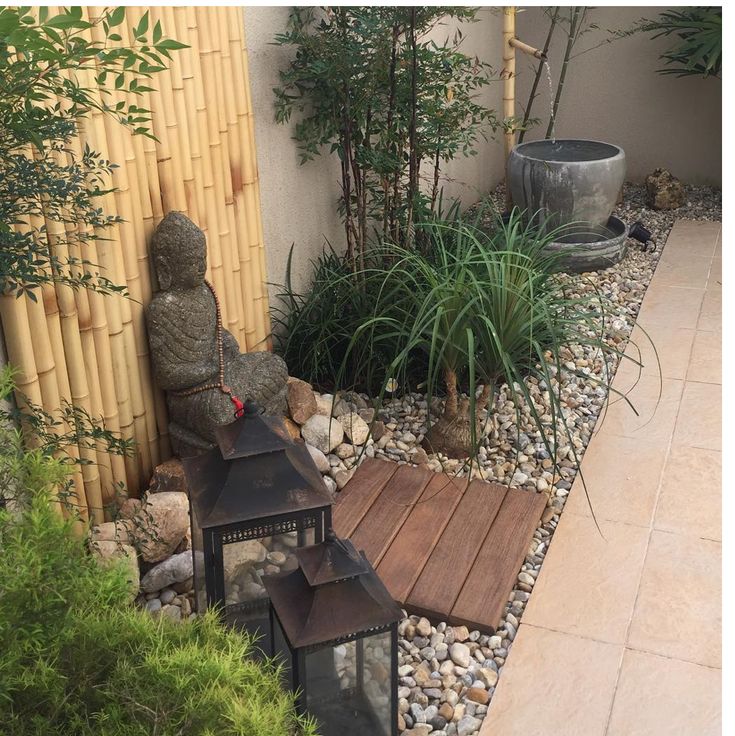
x=396 y=501
x=444 y=574
x=482 y=599
x=409 y=551
x=360 y=493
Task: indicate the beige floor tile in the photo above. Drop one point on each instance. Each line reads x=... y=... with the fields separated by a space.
x=588 y=582
x=554 y=685
x=660 y=349
x=656 y=402
x=710 y=318
x=690 y=500
x=678 y=611
x=622 y=477
x=657 y=696
x=692 y=238
x=699 y=423
x=705 y=364
x=715 y=274
x=683 y=270
x=672 y=306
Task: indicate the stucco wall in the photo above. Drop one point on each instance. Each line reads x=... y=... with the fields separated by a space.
x=612 y=93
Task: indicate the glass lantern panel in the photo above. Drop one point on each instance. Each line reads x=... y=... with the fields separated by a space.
x=246 y=563
x=335 y=687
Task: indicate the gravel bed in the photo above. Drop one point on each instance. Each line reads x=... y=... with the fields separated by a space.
x=448 y=675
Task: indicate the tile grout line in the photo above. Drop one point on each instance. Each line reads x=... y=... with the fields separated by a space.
x=651 y=528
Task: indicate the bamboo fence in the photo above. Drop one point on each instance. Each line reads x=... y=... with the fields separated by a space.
x=92 y=350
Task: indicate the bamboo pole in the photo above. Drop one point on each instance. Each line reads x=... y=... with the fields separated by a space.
x=509 y=90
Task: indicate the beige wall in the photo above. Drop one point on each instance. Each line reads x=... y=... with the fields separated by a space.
x=612 y=93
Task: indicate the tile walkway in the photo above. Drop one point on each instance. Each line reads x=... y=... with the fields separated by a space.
x=621 y=636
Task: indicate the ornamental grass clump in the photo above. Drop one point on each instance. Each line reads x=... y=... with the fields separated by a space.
x=474 y=310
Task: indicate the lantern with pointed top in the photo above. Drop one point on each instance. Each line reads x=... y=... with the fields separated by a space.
x=338 y=627
x=254 y=500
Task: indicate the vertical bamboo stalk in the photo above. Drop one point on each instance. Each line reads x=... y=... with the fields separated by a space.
x=509 y=90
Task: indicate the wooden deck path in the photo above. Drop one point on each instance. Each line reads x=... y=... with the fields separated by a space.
x=444 y=549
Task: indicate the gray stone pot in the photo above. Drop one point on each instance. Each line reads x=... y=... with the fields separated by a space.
x=566 y=181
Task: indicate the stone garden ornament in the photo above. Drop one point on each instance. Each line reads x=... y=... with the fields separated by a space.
x=195 y=359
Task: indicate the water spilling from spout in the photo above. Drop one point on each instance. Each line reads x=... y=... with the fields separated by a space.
x=551 y=101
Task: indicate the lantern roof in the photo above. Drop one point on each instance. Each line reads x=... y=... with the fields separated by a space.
x=252 y=434
x=319 y=614
x=334 y=560
x=251 y=487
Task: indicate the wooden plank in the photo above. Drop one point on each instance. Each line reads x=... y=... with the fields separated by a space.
x=482 y=600
x=360 y=493
x=444 y=574
x=379 y=527
x=409 y=551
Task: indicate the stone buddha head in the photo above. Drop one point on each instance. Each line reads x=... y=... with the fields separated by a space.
x=179 y=251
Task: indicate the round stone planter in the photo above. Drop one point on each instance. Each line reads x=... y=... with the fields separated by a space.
x=592 y=249
x=566 y=181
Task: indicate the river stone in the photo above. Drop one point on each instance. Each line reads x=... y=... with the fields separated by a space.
x=355 y=427
x=110 y=553
x=323 y=433
x=460 y=654
x=111 y=531
x=301 y=401
x=468 y=725
x=319 y=458
x=175 y=569
x=324 y=404
x=161 y=524
x=664 y=191
x=169 y=476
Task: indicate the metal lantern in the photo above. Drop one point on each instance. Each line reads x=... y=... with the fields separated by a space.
x=338 y=627
x=254 y=500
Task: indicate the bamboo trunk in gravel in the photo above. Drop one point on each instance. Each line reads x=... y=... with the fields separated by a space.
x=92 y=350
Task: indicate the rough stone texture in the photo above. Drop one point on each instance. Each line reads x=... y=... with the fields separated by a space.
x=319 y=458
x=301 y=401
x=111 y=552
x=175 y=569
x=355 y=428
x=292 y=428
x=169 y=476
x=664 y=191
x=112 y=531
x=323 y=433
x=161 y=524
x=181 y=321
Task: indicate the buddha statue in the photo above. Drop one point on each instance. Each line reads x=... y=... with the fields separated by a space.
x=195 y=359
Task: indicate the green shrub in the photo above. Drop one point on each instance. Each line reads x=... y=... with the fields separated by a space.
x=77 y=659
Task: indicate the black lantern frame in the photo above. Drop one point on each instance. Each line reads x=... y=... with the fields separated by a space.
x=256 y=494
x=337 y=627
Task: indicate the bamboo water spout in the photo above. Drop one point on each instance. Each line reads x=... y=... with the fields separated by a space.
x=510 y=44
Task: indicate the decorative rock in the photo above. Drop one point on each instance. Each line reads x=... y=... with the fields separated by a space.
x=153 y=605
x=171 y=612
x=323 y=433
x=478 y=695
x=446 y=711
x=111 y=531
x=461 y=633
x=467 y=725
x=301 y=401
x=423 y=627
x=664 y=191
x=293 y=429
x=324 y=404
x=113 y=553
x=173 y=570
x=343 y=477
x=167 y=596
x=355 y=428
x=161 y=524
x=377 y=429
x=169 y=476
x=460 y=654
x=319 y=458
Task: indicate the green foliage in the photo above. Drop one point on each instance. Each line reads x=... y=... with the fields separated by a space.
x=78 y=659
x=369 y=84
x=52 y=76
x=698 y=51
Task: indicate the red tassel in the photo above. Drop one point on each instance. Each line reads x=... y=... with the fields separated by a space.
x=239 y=406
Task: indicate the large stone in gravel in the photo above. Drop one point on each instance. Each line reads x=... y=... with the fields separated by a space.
x=355 y=427
x=175 y=569
x=468 y=725
x=323 y=433
x=112 y=531
x=113 y=553
x=301 y=401
x=460 y=654
x=319 y=458
x=161 y=524
x=664 y=191
x=169 y=476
